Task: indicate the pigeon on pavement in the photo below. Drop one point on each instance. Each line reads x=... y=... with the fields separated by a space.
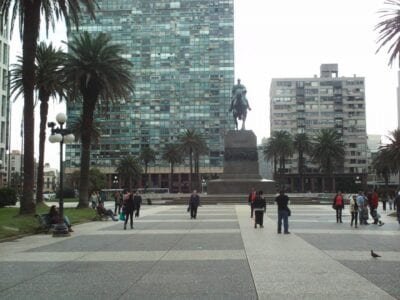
x=374 y=255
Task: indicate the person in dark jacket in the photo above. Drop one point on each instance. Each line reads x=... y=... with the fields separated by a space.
x=252 y=198
x=194 y=203
x=338 y=205
x=129 y=207
x=259 y=209
x=137 y=201
x=283 y=212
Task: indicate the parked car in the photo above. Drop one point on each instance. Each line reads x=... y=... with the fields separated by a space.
x=47 y=196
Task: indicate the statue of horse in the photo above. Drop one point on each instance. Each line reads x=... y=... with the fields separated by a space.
x=239 y=110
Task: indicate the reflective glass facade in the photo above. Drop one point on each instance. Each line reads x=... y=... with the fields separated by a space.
x=183 y=57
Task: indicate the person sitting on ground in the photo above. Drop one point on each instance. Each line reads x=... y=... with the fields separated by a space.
x=54 y=215
x=105 y=212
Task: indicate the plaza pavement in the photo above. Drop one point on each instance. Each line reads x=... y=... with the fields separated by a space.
x=217 y=256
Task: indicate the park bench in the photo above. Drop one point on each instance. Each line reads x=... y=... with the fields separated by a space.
x=44 y=222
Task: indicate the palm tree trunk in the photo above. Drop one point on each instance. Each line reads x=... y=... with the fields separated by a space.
x=87 y=121
x=30 y=36
x=191 y=168
x=44 y=107
x=171 y=177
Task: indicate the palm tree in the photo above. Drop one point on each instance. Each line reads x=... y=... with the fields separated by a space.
x=279 y=147
x=392 y=150
x=49 y=84
x=147 y=155
x=199 y=150
x=190 y=141
x=328 y=151
x=302 y=145
x=29 y=17
x=96 y=70
x=382 y=164
x=76 y=128
x=389 y=29
x=173 y=155
x=129 y=169
x=271 y=153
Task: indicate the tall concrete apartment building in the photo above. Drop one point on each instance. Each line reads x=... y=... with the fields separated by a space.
x=183 y=57
x=306 y=105
x=4 y=103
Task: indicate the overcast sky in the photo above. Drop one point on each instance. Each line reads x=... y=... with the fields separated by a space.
x=275 y=38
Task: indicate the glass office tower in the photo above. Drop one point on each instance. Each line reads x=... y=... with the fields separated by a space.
x=183 y=57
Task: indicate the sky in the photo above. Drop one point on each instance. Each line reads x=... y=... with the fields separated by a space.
x=292 y=38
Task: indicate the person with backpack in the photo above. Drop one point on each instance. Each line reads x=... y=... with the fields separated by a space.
x=252 y=198
x=338 y=205
x=354 y=211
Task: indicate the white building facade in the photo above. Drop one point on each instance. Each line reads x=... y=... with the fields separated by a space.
x=307 y=105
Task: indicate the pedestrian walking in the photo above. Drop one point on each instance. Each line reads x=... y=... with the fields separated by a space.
x=362 y=208
x=354 y=211
x=260 y=206
x=391 y=200
x=252 y=198
x=385 y=199
x=373 y=206
x=338 y=205
x=94 y=199
x=283 y=212
x=137 y=202
x=118 y=202
x=397 y=202
x=194 y=203
x=128 y=209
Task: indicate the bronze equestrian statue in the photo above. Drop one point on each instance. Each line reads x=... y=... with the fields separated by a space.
x=239 y=104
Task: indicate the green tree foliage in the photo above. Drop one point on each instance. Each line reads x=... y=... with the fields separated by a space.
x=95 y=69
x=389 y=29
x=49 y=83
x=279 y=147
x=173 y=155
x=29 y=15
x=147 y=155
x=389 y=155
x=302 y=145
x=191 y=143
x=328 y=151
x=130 y=171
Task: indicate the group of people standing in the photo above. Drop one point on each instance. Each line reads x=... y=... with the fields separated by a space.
x=258 y=207
x=361 y=206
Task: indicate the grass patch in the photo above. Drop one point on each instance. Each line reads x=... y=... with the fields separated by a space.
x=12 y=224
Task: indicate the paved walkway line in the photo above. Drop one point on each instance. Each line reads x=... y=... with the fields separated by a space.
x=166 y=231
x=287 y=267
x=124 y=256
x=354 y=231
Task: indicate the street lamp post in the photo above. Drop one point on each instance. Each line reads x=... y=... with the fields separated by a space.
x=63 y=136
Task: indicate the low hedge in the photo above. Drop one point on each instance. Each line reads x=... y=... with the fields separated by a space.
x=7 y=197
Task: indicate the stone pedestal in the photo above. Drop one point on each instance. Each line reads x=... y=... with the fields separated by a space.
x=241 y=172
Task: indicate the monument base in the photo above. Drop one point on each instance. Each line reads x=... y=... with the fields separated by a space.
x=240 y=186
x=241 y=172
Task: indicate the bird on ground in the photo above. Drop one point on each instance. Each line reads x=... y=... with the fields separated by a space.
x=374 y=255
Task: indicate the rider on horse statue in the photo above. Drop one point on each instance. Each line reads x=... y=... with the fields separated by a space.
x=239 y=104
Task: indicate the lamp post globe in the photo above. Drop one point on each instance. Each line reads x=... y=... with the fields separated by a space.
x=69 y=138
x=61 y=118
